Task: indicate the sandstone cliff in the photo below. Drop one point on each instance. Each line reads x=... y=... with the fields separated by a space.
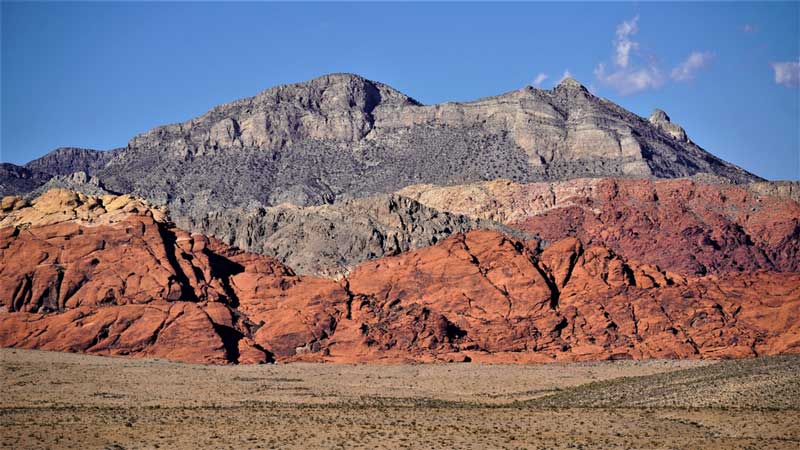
x=108 y=275
x=684 y=225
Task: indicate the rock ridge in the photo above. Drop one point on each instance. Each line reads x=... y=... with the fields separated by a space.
x=140 y=287
x=689 y=226
x=328 y=240
x=342 y=136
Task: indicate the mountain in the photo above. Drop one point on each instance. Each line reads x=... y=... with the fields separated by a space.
x=343 y=136
x=340 y=220
x=67 y=160
x=60 y=164
x=110 y=275
x=231 y=172
x=16 y=179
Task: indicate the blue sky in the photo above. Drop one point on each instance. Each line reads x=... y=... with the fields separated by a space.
x=96 y=74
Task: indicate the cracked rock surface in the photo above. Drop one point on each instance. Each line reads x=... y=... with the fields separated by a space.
x=329 y=240
x=689 y=226
x=111 y=276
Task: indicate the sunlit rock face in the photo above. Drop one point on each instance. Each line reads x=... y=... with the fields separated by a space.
x=110 y=275
x=689 y=226
x=343 y=136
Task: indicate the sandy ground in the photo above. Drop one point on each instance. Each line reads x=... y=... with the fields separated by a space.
x=56 y=400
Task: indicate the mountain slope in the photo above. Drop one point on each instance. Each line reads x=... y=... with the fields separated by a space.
x=683 y=225
x=328 y=240
x=342 y=136
x=61 y=162
x=16 y=179
x=67 y=160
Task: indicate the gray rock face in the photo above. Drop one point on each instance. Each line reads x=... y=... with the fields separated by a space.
x=67 y=160
x=341 y=136
x=61 y=162
x=327 y=240
x=77 y=181
x=786 y=189
x=16 y=179
x=661 y=120
x=338 y=145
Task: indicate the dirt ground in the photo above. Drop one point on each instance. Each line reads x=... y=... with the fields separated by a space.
x=57 y=400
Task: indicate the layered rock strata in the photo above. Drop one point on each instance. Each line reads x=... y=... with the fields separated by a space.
x=108 y=275
x=687 y=226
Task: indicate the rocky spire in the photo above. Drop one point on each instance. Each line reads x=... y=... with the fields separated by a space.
x=659 y=116
x=661 y=120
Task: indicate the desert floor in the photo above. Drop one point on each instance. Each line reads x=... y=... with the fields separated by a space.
x=56 y=400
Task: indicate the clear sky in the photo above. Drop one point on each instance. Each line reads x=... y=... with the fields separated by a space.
x=96 y=74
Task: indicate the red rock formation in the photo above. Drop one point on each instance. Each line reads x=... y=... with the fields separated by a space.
x=683 y=225
x=181 y=331
x=492 y=299
x=124 y=283
x=692 y=228
x=110 y=276
x=293 y=314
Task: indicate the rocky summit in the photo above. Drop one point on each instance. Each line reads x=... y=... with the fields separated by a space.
x=342 y=136
x=339 y=220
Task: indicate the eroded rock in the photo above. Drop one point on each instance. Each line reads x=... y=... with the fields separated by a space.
x=119 y=282
x=686 y=226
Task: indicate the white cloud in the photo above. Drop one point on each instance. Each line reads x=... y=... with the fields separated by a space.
x=539 y=79
x=749 y=28
x=633 y=72
x=631 y=80
x=787 y=73
x=623 y=44
x=567 y=74
x=626 y=77
x=695 y=61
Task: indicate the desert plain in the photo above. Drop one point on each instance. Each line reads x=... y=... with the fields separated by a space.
x=61 y=400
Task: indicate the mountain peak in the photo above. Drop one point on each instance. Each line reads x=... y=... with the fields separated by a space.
x=570 y=83
x=350 y=88
x=341 y=77
x=343 y=136
x=659 y=116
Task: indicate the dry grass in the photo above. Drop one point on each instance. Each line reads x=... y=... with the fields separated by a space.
x=53 y=400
